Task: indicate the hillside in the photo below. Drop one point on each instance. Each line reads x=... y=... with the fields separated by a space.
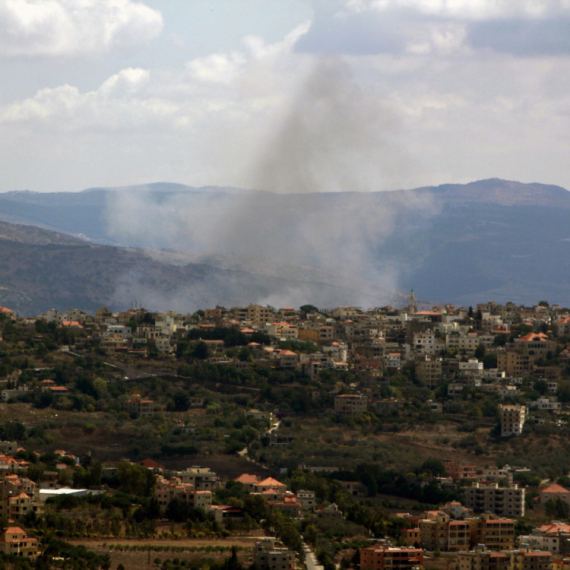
x=42 y=269
x=491 y=239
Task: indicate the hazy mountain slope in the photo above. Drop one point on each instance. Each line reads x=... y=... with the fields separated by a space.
x=84 y=213
x=491 y=239
x=36 y=275
x=35 y=236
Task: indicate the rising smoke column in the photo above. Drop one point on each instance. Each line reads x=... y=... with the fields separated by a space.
x=317 y=204
x=335 y=137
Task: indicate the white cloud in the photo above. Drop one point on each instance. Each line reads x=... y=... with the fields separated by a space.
x=524 y=28
x=470 y=9
x=459 y=114
x=127 y=81
x=225 y=68
x=64 y=107
x=216 y=68
x=33 y=28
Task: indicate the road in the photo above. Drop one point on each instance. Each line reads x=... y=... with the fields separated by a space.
x=310 y=559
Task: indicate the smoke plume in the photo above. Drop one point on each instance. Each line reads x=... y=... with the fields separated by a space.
x=317 y=202
x=335 y=138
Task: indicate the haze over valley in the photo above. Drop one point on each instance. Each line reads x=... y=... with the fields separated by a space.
x=452 y=243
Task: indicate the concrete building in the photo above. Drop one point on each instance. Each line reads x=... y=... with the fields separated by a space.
x=482 y=558
x=440 y=533
x=502 y=501
x=350 y=404
x=18 y=497
x=554 y=491
x=388 y=557
x=15 y=542
x=306 y=499
x=169 y=489
x=429 y=372
x=512 y=419
x=137 y=405
x=268 y=554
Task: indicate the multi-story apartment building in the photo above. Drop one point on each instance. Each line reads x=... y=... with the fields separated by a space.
x=502 y=501
x=536 y=345
x=470 y=369
x=512 y=419
x=520 y=560
x=440 y=533
x=429 y=372
x=306 y=499
x=18 y=497
x=424 y=342
x=482 y=558
x=15 y=542
x=514 y=362
x=350 y=404
x=169 y=489
x=259 y=315
x=460 y=471
x=202 y=478
x=136 y=404
x=268 y=554
x=388 y=557
x=308 y=334
x=495 y=534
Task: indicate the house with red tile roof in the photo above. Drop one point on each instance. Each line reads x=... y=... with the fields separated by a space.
x=169 y=489
x=287 y=359
x=15 y=542
x=271 y=483
x=18 y=497
x=554 y=491
x=250 y=482
x=136 y=404
x=151 y=464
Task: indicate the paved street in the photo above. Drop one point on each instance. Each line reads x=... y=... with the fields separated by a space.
x=310 y=560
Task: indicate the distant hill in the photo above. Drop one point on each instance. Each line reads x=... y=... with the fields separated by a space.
x=487 y=240
x=40 y=269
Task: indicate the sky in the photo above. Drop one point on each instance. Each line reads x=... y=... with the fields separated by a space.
x=283 y=95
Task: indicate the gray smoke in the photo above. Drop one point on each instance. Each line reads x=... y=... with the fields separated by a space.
x=336 y=138
x=317 y=203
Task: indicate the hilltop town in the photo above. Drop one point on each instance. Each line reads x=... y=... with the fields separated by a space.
x=272 y=438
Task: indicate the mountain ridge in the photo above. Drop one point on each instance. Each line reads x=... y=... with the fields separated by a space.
x=450 y=243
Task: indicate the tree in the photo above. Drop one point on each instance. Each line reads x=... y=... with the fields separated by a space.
x=14 y=431
x=200 y=350
x=43 y=399
x=177 y=510
x=433 y=466
x=232 y=563
x=490 y=361
x=245 y=354
x=500 y=339
x=135 y=479
x=255 y=507
x=556 y=508
x=181 y=402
